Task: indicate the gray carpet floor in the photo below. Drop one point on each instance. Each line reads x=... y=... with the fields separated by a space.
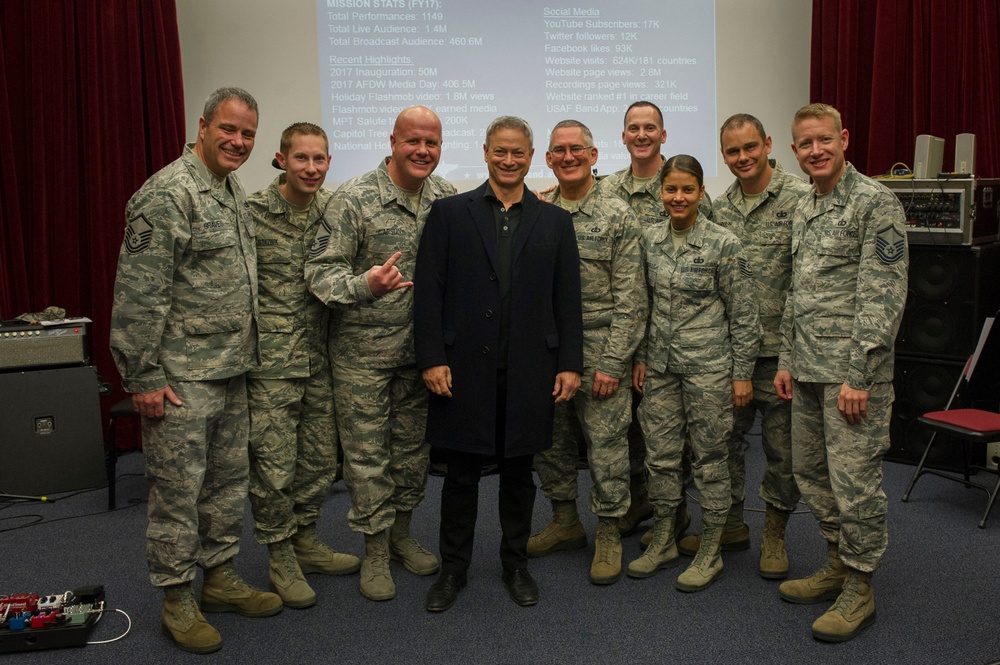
x=936 y=592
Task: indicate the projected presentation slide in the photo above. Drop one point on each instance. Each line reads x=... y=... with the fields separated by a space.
x=474 y=60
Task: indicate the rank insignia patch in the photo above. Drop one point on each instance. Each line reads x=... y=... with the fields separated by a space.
x=321 y=241
x=138 y=235
x=890 y=245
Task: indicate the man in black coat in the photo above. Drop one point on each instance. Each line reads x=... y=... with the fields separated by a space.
x=499 y=340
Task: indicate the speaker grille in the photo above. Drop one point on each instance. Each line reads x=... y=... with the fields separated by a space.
x=32 y=353
x=922 y=385
x=50 y=431
x=948 y=300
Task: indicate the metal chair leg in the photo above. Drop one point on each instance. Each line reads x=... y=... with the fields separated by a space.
x=920 y=468
x=989 y=505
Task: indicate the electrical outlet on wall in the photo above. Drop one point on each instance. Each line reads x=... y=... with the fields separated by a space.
x=992 y=454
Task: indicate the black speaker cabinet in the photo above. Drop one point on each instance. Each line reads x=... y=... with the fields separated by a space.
x=952 y=290
x=50 y=432
x=922 y=385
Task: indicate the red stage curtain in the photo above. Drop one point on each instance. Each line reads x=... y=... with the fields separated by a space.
x=899 y=68
x=93 y=104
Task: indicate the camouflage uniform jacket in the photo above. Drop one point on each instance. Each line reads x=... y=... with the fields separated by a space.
x=611 y=280
x=185 y=300
x=367 y=221
x=849 y=265
x=646 y=204
x=702 y=314
x=292 y=321
x=766 y=236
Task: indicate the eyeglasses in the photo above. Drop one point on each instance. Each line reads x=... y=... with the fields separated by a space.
x=575 y=150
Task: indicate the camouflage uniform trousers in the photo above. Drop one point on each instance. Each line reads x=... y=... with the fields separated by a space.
x=381 y=416
x=838 y=468
x=637 y=445
x=293 y=452
x=636 y=441
x=698 y=409
x=778 y=487
x=197 y=466
x=603 y=424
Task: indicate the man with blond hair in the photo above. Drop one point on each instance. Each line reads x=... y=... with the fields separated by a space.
x=849 y=266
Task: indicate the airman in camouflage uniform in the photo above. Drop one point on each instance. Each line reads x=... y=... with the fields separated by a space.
x=639 y=187
x=695 y=362
x=293 y=433
x=614 y=314
x=849 y=266
x=183 y=335
x=367 y=241
x=758 y=208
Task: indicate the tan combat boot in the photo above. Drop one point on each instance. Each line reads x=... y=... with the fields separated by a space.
x=639 y=507
x=376 y=581
x=286 y=577
x=607 y=565
x=661 y=553
x=183 y=622
x=564 y=532
x=773 y=557
x=404 y=547
x=707 y=564
x=315 y=556
x=681 y=524
x=825 y=584
x=735 y=534
x=225 y=591
x=853 y=611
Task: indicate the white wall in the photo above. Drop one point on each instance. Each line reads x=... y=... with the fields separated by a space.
x=269 y=48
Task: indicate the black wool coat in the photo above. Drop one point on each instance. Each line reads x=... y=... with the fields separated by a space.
x=456 y=300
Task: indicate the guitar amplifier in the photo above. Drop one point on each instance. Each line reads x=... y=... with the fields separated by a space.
x=50 y=431
x=25 y=346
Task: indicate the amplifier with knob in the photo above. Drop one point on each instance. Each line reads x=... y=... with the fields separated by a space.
x=26 y=346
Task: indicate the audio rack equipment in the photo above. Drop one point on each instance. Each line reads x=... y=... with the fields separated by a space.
x=31 y=622
x=949 y=211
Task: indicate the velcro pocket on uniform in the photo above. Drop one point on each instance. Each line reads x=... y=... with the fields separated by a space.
x=594 y=251
x=266 y=254
x=693 y=337
x=207 y=325
x=714 y=471
x=827 y=326
x=874 y=508
x=696 y=282
x=212 y=234
x=279 y=324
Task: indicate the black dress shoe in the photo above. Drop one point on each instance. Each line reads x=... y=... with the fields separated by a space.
x=443 y=593
x=521 y=586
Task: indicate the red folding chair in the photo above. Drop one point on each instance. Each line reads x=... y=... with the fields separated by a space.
x=971 y=417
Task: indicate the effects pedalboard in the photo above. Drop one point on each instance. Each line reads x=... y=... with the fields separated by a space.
x=30 y=622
